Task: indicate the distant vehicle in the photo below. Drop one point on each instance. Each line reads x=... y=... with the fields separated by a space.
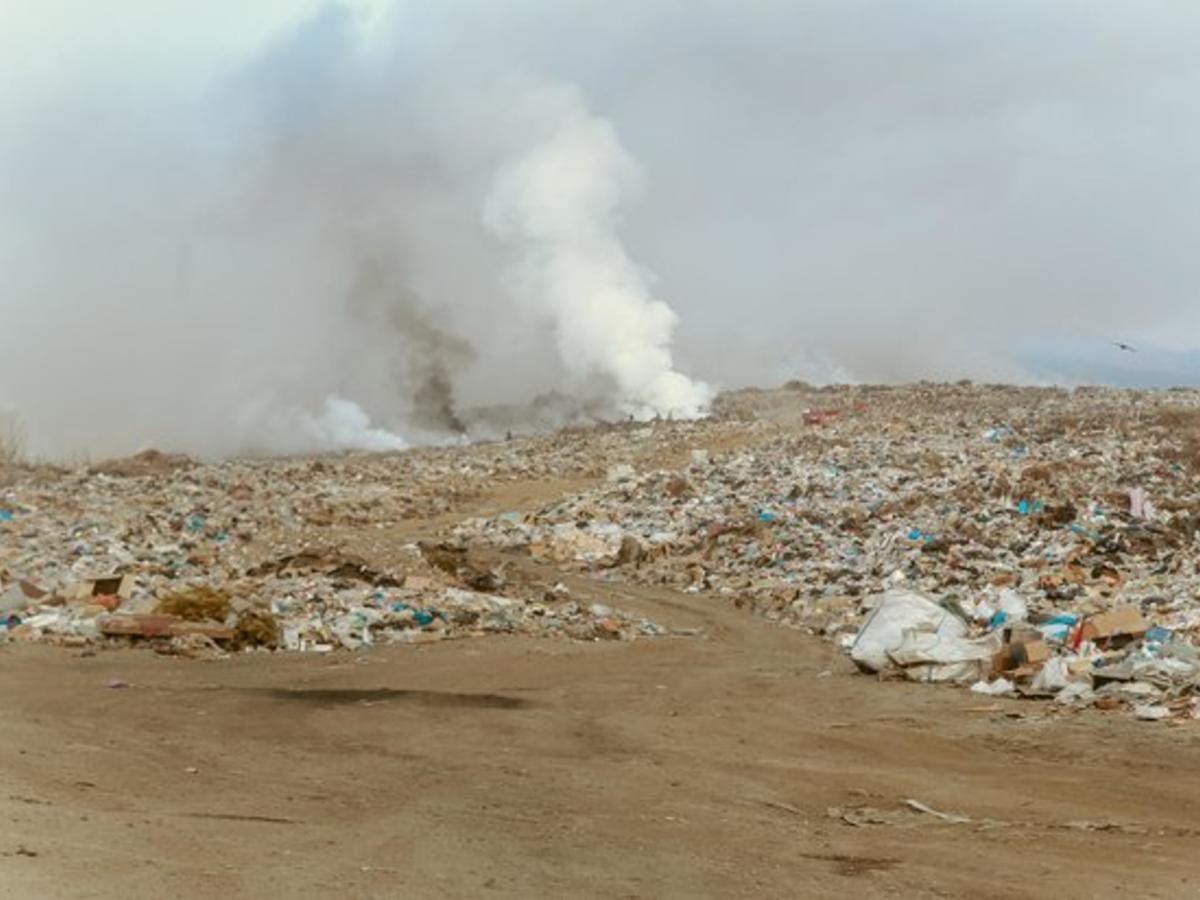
x=1126 y=347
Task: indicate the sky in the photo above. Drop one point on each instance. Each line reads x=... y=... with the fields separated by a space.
x=294 y=226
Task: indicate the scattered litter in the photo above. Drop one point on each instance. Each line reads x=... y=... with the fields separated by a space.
x=930 y=811
x=997 y=688
x=1147 y=712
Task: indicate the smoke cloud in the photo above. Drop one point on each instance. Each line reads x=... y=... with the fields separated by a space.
x=389 y=223
x=560 y=201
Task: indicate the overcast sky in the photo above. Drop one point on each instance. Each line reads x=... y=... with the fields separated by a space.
x=190 y=191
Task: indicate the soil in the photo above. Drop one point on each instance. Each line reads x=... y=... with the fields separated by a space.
x=749 y=760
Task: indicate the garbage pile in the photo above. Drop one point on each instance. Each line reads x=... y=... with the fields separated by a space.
x=1032 y=541
x=1109 y=659
x=204 y=558
x=1025 y=541
x=313 y=601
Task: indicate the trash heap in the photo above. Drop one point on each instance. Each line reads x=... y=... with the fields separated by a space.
x=201 y=559
x=1036 y=542
x=312 y=601
x=1028 y=541
x=1109 y=659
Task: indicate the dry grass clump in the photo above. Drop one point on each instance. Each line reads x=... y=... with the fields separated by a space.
x=196 y=604
x=12 y=439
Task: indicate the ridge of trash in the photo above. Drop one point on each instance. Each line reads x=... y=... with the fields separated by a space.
x=1028 y=542
x=202 y=558
x=1032 y=542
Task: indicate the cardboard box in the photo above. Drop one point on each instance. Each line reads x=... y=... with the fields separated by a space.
x=1035 y=652
x=1020 y=633
x=152 y=626
x=1028 y=655
x=108 y=586
x=1124 y=622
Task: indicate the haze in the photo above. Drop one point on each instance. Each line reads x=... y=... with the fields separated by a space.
x=318 y=226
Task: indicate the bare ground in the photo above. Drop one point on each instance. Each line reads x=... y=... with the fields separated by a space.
x=745 y=762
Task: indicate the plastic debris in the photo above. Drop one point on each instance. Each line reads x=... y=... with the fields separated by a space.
x=928 y=810
x=997 y=688
x=1020 y=520
x=1151 y=713
x=898 y=615
x=1024 y=511
x=202 y=559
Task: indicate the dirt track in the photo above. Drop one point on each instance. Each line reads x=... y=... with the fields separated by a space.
x=746 y=762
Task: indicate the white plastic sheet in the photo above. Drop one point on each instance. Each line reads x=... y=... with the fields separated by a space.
x=926 y=641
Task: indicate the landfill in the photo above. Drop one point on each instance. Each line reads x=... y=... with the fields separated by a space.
x=202 y=559
x=1027 y=542
x=1018 y=541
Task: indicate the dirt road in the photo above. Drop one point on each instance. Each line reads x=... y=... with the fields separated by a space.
x=747 y=761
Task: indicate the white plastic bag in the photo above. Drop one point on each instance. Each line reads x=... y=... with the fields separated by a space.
x=930 y=656
x=1054 y=675
x=1013 y=605
x=996 y=688
x=895 y=612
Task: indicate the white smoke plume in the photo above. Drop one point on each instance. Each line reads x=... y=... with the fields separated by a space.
x=340 y=424
x=559 y=203
x=343 y=424
x=297 y=261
